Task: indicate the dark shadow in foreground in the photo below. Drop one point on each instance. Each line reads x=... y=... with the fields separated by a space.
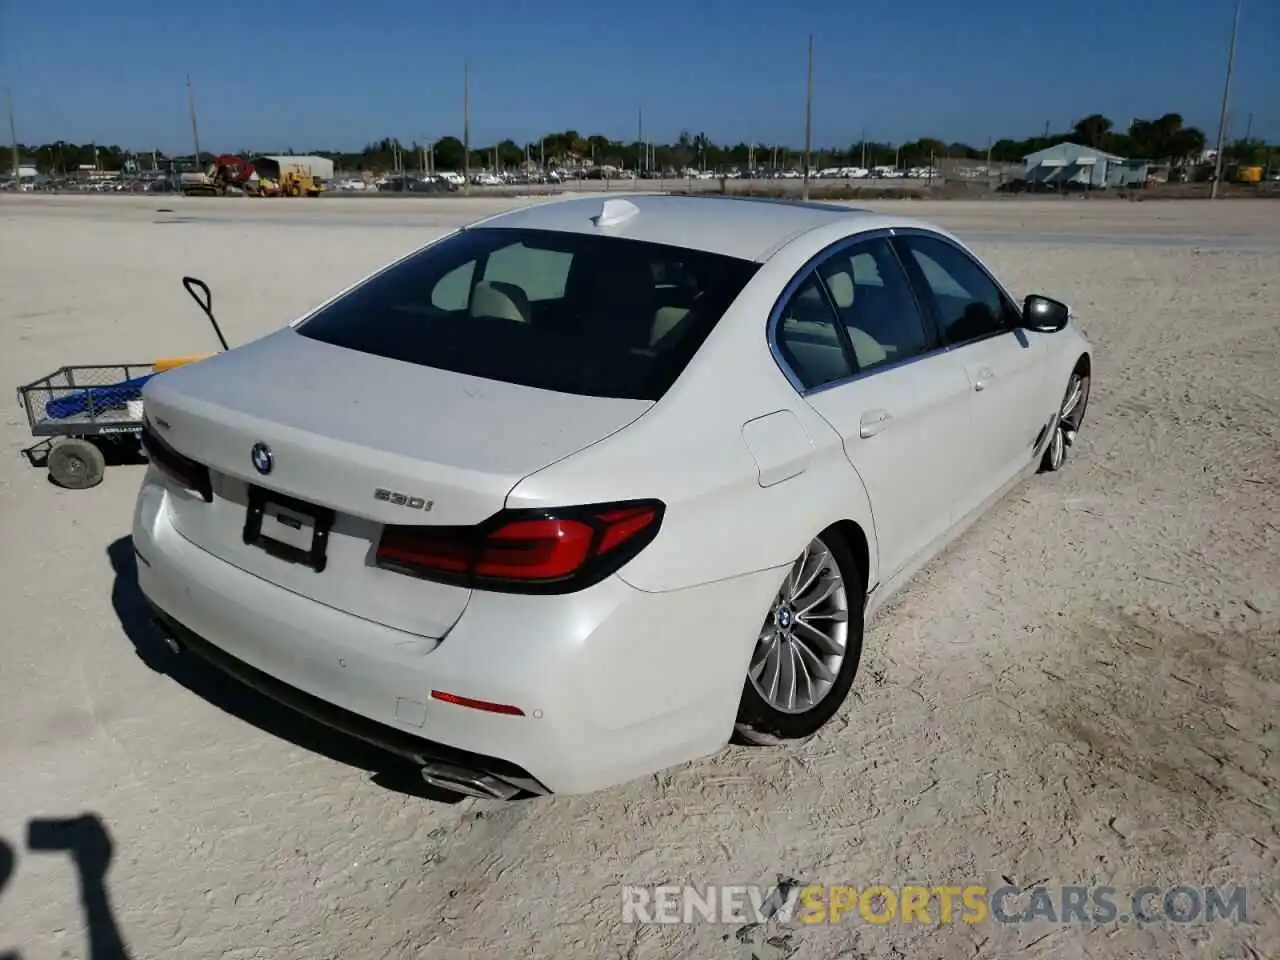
x=86 y=839
x=7 y=860
x=239 y=700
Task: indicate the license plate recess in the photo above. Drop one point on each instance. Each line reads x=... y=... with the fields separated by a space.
x=288 y=528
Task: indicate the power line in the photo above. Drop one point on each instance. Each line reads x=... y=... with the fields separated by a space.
x=13 y=136
x=808 y=122
x=466 y=129
x=1226 y=96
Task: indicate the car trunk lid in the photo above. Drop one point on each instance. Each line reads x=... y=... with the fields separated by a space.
x=368 y=440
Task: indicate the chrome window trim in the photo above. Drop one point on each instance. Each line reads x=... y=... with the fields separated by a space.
x=812 y=264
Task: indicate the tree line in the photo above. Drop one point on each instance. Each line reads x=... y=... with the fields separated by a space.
x=1164 y=139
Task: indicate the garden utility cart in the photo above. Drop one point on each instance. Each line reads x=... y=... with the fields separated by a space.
x=82 y=415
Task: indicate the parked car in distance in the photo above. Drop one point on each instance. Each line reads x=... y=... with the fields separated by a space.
x=586 y=489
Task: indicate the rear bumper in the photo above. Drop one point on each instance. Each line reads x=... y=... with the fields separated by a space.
x=614 y=682
x=480 y=769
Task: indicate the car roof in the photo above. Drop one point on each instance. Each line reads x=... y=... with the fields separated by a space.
x=750 y=228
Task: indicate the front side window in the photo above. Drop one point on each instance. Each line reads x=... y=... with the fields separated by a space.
x=967 y=303
x=875 y=304
x=574 y=313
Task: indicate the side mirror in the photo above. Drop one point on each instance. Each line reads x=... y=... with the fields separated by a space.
x=1043 y=314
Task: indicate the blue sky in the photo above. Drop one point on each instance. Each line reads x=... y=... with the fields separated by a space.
x=333 y=74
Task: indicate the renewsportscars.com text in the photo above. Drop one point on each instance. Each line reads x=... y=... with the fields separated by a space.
x=911 y=903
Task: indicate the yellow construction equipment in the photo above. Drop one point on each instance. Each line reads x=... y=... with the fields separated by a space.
x=299 y=183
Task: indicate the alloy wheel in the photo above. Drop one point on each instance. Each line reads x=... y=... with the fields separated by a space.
x=1070 y=416
x=803 y=641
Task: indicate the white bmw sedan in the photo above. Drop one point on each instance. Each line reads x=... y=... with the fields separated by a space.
x=582 y=490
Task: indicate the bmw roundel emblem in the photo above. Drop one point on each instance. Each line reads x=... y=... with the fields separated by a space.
x=262 y=459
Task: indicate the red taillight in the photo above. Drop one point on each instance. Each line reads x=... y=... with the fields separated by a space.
x=183 y=470
x=504 y=708
x=543 y=551
x=534 y=550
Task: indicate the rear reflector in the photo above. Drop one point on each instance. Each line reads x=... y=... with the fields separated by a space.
x=526 y=551
x=503 y=708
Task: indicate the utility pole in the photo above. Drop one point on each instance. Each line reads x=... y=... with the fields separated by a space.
x=1226 y=96
x=808 y=123
x=640 y=140
x=195 y=131
x=13 y=137
x=1248 y=128
x=466 y=130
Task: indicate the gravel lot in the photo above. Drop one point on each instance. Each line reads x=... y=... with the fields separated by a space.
x=1082 y=691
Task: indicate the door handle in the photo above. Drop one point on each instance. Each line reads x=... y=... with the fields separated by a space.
x=984 y=377
x=872 y=422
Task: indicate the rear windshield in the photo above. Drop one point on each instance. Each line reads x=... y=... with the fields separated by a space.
x=575 y=313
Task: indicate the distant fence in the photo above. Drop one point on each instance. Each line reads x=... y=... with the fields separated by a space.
x=979 y=173
x=969 y=175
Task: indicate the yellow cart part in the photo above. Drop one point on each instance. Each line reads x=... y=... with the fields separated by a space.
x=168 y=363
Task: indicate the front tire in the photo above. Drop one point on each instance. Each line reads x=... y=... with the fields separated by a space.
x=808 y=649
x=1067 y=423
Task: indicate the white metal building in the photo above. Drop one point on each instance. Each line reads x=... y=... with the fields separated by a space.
x=1069 y=163
x=274 y=166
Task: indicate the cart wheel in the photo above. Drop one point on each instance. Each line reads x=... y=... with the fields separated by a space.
x=76 y=464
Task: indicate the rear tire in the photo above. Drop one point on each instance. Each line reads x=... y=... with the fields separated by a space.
x=808 y=649
x=76 y=464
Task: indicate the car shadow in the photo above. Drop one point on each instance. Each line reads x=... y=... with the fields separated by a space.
x=245 y=703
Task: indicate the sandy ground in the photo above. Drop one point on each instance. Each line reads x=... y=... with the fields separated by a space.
x=1082 y=691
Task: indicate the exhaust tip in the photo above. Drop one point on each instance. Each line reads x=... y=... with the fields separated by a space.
x=468 y=782
x=170 y=641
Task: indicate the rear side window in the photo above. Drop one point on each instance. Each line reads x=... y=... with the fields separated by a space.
x=575 y=313
x=808 y=339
